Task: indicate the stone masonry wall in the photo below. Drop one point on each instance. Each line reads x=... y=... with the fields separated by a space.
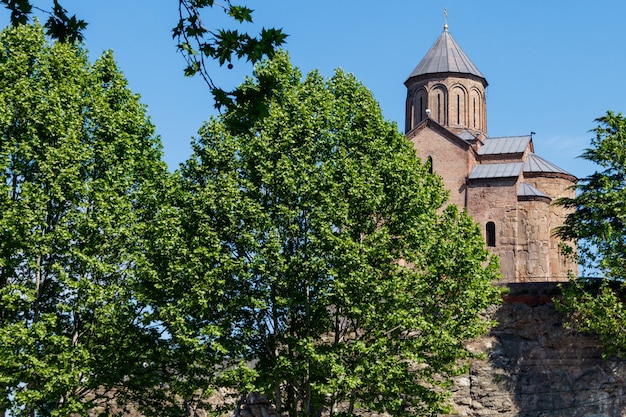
x=533 y=242
x=556 y=187
x=496 y=201
x=535 y=367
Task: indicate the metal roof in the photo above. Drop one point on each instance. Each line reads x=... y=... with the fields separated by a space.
x=535 y=163
x=466 y=135
x=505 y=145
x=446 y=56
x=487 y=171
x=526 y=190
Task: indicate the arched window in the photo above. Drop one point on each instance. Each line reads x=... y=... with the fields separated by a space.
x=477 y=109
x=429 y=163
x=491 y=234
x=438 y=103
x=458 y=107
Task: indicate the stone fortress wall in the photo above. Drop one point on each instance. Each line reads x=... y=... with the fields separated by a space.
x=534 y=366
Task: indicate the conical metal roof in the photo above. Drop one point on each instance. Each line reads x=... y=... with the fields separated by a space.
x=446 y=56
x=537 y=164
x=527 y=190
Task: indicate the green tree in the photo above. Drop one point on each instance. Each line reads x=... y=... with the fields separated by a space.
x=81 y=174
x=196 y=41
x=319 y=262
x=598 y=225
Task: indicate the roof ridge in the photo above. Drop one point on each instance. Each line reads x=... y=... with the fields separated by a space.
x=506 y=137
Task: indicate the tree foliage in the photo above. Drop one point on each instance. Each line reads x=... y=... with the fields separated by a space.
x=319 y=265
x=80 y=175
x=598 y=225
x=598 y=307
x=599 y=219
x=195 y=40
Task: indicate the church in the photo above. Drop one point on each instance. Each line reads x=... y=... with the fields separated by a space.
x=500 y=181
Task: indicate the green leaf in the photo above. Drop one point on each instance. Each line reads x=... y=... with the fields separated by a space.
x=240 y=13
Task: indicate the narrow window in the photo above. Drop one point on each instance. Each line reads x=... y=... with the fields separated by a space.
x=439 y=108
x=491 y=234
x=421 y=109
x=474 y=112
x=429 y=162
x=458 y=109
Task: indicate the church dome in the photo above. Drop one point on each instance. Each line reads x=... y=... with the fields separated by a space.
x=446 y=56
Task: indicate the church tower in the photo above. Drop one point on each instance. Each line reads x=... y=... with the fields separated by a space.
x=500 y=181
x=448 y=86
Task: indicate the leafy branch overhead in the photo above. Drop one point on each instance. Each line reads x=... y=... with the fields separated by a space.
x=59 y=25
x=197 y=42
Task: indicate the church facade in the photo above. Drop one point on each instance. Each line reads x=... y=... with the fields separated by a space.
x=500 y=181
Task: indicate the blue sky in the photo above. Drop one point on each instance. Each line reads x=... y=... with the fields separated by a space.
x=552 y=66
